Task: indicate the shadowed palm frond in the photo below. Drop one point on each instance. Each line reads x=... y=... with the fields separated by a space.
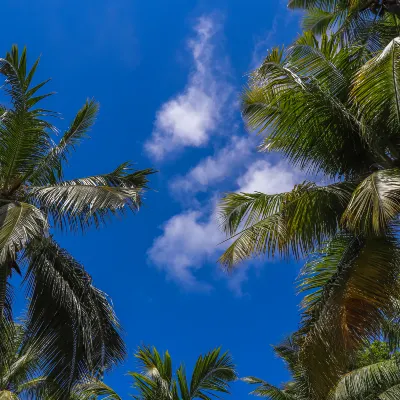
x=353 y=284
x=73 y=319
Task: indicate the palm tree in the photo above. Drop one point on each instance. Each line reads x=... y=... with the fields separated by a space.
x=211 y=375
x=371 y=22
x=21 y=366
x=334 y=112
x=377 y=379
x=73 y=320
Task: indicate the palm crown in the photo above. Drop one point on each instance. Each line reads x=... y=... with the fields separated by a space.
x=332 y=110
x=156 y=381
x=74 y=320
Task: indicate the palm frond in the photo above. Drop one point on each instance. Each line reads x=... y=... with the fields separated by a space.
x=295 y=222
x=24 y=131
x=19 y=223
x=375 y=204
x=49 y=168
x=346 y=306
x=376 y=92
x=93 y=388
x=81 y=202
x=373 y=379
x=73 y=319
x=266 y=390
x=213 y=373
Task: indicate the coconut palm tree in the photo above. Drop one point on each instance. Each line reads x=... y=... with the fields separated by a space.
x=211 y=376
x=334 y=112
x=73 y=319
x=378 y=379
x=371 y=22
x=21 y=366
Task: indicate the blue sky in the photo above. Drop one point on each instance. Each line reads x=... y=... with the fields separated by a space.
x=168 y=75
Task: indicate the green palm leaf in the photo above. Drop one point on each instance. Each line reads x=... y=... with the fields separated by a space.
x=295 y=222
x=19 y=223
x=373 y=379
x=375 y=203
x=93 y=388
x=80 y=202
x=212 y=373
x=266 y=390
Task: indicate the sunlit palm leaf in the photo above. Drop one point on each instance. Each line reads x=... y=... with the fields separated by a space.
x=81 y=202
x=375 y=203
x=212 y=375
x=375 y=379
x=289 y=223
x=377 y=94
x=19 y=223
x=49 y=169
x=293 y=100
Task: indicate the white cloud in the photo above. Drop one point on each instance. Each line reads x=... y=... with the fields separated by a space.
x=216 y=168
x=188 y=241
x=189 y=118
x=265 y=177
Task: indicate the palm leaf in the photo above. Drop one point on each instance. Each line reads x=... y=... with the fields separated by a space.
x=349 y=306
x=93 y=388
x=19 y=223
x=266 y=390
x=213 y=372
x=295 y=222
x=81 y=202
x=373 y=379
x=375 y=203
x=73 y=319
x=376 y=92
x=49 y=168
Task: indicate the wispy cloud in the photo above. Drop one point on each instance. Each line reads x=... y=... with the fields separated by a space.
x=188 y=119
x=188 y=241
x=215 y=168
x=262 y=176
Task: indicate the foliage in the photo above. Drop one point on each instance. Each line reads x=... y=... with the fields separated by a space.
x=333 y=111
x=372 y=23
x=212 y=375
x=21 y=367
x=377 y=352
x=374 y=375
x=73 y=320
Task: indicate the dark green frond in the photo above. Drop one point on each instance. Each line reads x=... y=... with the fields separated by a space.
x=74 y=320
